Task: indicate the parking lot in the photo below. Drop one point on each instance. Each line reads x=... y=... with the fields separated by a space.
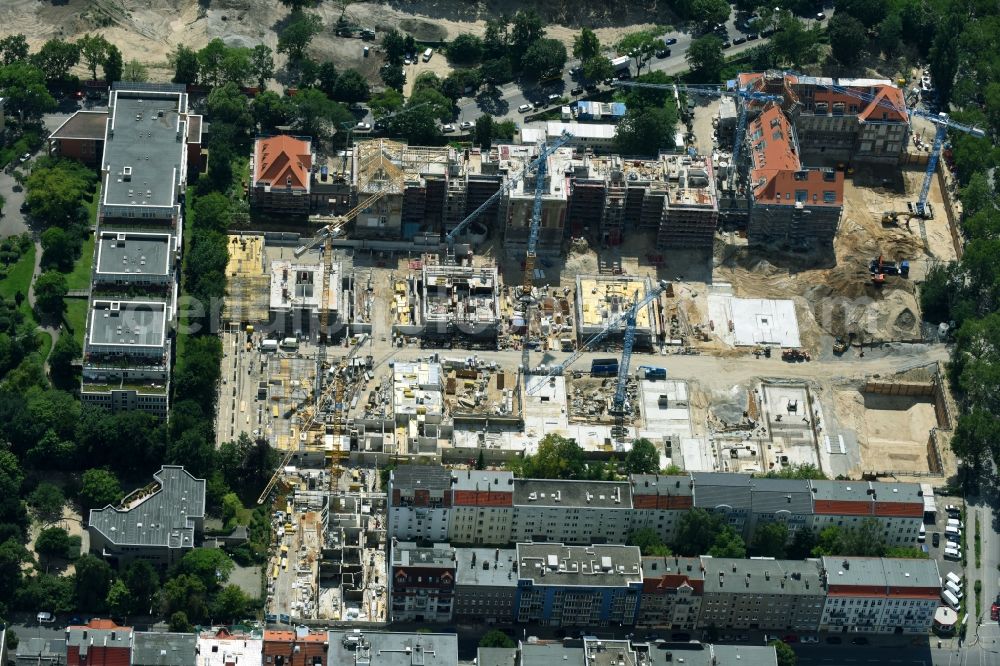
x=936 y=532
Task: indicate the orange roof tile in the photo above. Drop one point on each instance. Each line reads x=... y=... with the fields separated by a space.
x=282 y=160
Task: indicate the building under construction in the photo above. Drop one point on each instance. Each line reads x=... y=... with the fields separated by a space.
x=601 y=298
x=297 y=299
x=521 y=198
x=672 y=196
x=246 y=299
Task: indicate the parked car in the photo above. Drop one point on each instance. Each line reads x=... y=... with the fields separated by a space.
x=577 y=91
x=467 y=125
x=591 y=87
x=44 y=617
x=524 y=108
x=767 y=32
x=447 y=129
x=727 y=44
x=554 y=97
x=936 y=539
x=367 y=50
x=810 y=638
x=663 y=53
x=362 y=127
x=573 y=71
x=25 y=158
x=670 y=41
x=17 y=187
x=820 y=16
x=951 y=509
x=859 y=640
x=739 y=40
x=752 y=36
x=995 y=611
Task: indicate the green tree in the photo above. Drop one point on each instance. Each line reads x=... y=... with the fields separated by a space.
x=544 y=57
x=465 y=49
x=803 y=471
x=13 y=48
x=710 y=11
x=640 y=46
x=230 y=604
x=47 y=501
x=113 y=64
x=728 y=543
x=351 y=87
x=392 y=76
x=497 y=70
x=119 y=599
x=527 y=29
x=496 y=39
x=135 y=71
x=556 y=458
x=187 y=65
x=56 y=58
x=56 y=542
x=179 y=623
x=56 y=190
x=642 y=458
x=386 y=102
x=237 y=66
x=461 y=81
x=394 y=46
x=185 y=594
x=646 y=131
x=848 y=39
x=59 y=249
x=795 y=44
x=484 y=131
x=298 y=32
x=50 y=292
x=143 y=583
x=586 y=44
x=494 y=638
x=270 y=110
x=326 y=78
x=92 y=581
x=770 y=539
x=977 y=436
x=314 y=113
x=208 y=565
x=786 y=656
x=98 y=488
x=94 y=50
x=298 y=5
x=210 y=59
x=22 y=85
x=419 y=125
x=597 y=68
x=865 y=540
x=706 y=59
x=213 y=211
x=696 y=532
x=802 y=544
x=12 y=557
x=228 y=104
x=649 y=542
x=262 y=64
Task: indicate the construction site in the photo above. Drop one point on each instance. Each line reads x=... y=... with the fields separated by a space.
x=630 y=306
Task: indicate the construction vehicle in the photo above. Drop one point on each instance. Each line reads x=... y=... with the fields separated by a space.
x=890 y=218
x=840 y=346
x=651 y=373
x=879 y=266
x=795 y=355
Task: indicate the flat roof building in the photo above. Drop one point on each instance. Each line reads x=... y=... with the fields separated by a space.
x=762 y=594
x=126 y=258
x=220 y=647
x=385 y=648
x=462 y=300
x=511 y=160
x=604 y=582
x=421 y=582
x=156 y=648
x=299 y=292
x=158 y=523
x=128 y=328
x=601 y=298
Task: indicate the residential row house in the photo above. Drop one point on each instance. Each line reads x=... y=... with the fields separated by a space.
x=556 y=585
x=475 y=507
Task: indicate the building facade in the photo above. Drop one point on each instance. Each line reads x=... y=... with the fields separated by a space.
x=421 y=582
x=672 y=591
x=493 y=508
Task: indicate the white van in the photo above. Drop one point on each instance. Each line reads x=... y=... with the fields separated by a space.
x=952 y=554
x=954 y=578
x=955 y=522
x=951 y=529
x=427 y=54
x=949 y=599
x=954 y=589
x=922 y=535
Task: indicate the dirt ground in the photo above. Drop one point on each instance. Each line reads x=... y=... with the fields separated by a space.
x=892 y=430
x=149 y=30
x=72 y=523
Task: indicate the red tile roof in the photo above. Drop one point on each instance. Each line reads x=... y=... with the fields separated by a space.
x=482 y=498
x=281 y=160
x=842 y=507
x=777 y=175
x=888 y=104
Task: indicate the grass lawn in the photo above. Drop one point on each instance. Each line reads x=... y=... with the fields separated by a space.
x=79 y=277
x=44 y=344
x=76 y=317
x=19 y=279
x=91 y=205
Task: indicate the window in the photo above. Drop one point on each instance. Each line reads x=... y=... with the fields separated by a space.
x=801 y=195
x=829 y=196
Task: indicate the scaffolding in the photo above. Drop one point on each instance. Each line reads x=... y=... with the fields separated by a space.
x=247 y=283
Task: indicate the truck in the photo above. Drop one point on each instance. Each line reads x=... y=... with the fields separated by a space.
x=290 y=343
x=269 y=345
x=604 y=367
x=649 y=372
x=620 y=63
